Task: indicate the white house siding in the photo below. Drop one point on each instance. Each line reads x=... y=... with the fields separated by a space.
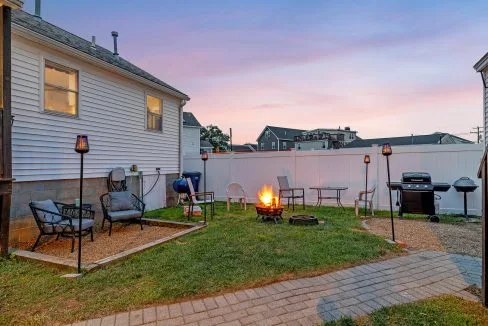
x=485 y=112
x=111 y=112
x=191 y=140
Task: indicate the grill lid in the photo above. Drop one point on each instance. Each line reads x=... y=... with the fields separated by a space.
x=416 y=177
x=464 y=184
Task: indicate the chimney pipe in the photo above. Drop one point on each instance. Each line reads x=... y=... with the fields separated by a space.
x=115 y=35
x=94 y=42
x=37 y=12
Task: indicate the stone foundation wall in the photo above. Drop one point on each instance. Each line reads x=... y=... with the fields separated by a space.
x=23 y=226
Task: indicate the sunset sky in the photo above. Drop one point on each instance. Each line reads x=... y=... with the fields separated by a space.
x=380 y=67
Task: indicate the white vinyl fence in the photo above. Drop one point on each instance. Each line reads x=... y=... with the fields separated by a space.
x=345 y=167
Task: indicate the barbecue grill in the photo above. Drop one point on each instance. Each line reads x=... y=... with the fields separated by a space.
x=465 y=185
x=415 y=194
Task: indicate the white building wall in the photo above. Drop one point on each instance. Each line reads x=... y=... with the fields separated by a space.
x=345 y=167
x=191 y=140
x=111 y=112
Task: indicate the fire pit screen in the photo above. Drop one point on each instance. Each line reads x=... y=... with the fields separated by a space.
x=269 y=206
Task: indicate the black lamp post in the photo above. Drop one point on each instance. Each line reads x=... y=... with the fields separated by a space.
x=204 y=159
x=82 y=148
x=386 y=151
x=367 y=160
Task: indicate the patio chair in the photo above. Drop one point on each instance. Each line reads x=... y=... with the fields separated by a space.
x=235 y=191
x=361 y=200
x=288 y=193
x=121 y=207
x=51 y=220
x=194 y=201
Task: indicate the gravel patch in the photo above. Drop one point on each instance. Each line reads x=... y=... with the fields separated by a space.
x=460 y=238
x=124 y=237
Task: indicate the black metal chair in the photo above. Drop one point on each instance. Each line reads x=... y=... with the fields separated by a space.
x=134 y=212
x=194 y=201
x=51 y=221
x=288 y=193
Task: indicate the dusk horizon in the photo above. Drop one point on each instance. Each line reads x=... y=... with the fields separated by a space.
x=383 y=70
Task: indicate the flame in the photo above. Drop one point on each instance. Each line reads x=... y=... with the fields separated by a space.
x=266 y=196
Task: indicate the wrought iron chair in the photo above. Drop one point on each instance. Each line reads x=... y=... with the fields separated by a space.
x=51 y=219
x=288 y=193
x=235 y=191
x=194 y=201
x=361 y=200
x=132 y=210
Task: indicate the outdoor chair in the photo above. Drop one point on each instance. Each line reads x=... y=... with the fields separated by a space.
x=121 y=207
x=359 y=202
x=286 y=192
x=51 y=219
x=235 y=191
x=194 y=201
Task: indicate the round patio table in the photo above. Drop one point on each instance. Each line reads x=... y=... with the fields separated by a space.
x=337 y=196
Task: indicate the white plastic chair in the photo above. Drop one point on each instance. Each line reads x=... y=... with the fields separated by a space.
x=361 y=201
x=235 y=191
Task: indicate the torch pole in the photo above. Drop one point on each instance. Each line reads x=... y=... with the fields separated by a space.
x=205 y=191
x=80 y=214
x=366 y=194
x=391 y=205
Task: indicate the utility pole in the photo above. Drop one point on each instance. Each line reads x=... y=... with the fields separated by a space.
x=478 y=132
x=230 y=132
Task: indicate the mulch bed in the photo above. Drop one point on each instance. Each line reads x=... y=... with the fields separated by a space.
x=461 y=238
x=124 y=237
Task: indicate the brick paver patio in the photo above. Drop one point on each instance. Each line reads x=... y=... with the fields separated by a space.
x=352 y=292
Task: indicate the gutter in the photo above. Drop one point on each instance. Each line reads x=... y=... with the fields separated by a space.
x=44 y=40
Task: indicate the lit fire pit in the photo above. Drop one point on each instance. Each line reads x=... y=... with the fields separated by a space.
x=269 y=207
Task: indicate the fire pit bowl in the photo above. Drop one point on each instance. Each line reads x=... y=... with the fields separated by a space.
x=269 y=212
x=303 y=220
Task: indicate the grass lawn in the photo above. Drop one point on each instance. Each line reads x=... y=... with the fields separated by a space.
x=441 y=311
x=234 y=251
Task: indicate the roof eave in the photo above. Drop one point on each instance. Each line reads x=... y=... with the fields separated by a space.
x=481 y=64
x=44 y=40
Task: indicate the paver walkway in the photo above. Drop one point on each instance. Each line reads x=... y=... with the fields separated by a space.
x=353 y=292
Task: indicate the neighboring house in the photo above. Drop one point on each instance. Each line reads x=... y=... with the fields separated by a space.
x=191 y=134
x=246 y=148
x=277 y=138
x=321 y=139
x=432 y=139
x=482 y=67
x=206 y=146
x=64 y=85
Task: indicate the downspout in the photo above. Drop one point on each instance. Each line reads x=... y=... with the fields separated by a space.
x=180 y=137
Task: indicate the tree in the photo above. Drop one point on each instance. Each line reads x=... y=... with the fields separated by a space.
x=215 y=136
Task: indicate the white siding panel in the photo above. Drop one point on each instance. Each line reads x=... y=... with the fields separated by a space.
x=111 y=112
x=191 y=140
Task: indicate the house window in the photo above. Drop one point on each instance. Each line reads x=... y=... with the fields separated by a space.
x=154 y=113
x=60 y=89
x=273 y=145
x=284 y=145
x=262 y=146
x=267 y=133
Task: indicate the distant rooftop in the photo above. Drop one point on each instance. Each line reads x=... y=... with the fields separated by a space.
x=431 y=139
x=190 y=120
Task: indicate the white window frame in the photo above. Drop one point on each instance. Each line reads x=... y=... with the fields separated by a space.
x=146 y=94
x=66 y=65
x=273 y=145
x=262 y=146
x=284 y=145
x=267 y=133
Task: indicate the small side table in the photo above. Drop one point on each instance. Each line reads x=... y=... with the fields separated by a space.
x=73 y=211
